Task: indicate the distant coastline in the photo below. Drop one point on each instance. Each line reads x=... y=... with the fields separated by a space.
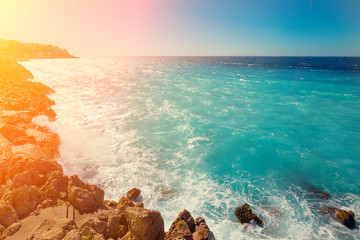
x=25 y=51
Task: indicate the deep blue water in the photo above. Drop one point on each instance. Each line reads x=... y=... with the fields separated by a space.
x=211 y=133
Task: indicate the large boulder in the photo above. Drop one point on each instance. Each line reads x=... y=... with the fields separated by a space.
x=84 y=197
x=144 y=224
x=24 y=200
x=116 y=226
x=182 y=227
x=345 y=217
x=245 y=215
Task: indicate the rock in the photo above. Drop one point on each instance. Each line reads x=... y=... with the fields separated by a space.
x=124 y=203
x=245 y=215
x=28 y=177
x=345 y=217
x=12 y=132
x=182 y=227
x=12 y=229
x=84 y=197
x=139 y=204
x=54 y=229
x=319 y=193
x=144 y=224
x=24 y=200
x=86 y=231
x=98 y=237
x=202 y=231
x=116 y=226
x=73 y=235
x=133 y=194
x=7 y=215
x=110 y=204
x=95 y=223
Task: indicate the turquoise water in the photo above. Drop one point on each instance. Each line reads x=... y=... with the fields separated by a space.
x=211 y=133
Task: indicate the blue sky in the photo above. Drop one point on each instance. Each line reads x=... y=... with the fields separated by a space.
x=187 y=27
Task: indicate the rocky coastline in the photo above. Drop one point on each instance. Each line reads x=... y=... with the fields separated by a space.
x=37 y=201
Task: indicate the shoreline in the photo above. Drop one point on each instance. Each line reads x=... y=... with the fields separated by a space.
x=37 y=201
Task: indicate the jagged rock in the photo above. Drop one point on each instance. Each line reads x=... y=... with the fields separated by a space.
x=345 y=217
x=133 y=194
x=116 y=226
x=7 y=215
x=54 y=229
x=110 y=204
x=202 y=231
x=95 y=223
x=84 y=197
x=56 y=185
x=98 y=237
x=124 y=203
x=182 y=227
x=245 y=215
x=73 y=235
x=144 y=224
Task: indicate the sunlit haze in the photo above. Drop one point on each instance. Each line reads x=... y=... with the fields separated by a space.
x=183 y=27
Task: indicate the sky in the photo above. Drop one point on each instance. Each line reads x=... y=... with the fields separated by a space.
x=187 y=27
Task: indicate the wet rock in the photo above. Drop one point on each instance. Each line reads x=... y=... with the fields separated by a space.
x=182 y=227
x=347 y=218
x=319 y=193
x=245 y=215
x=144 y=224
x=133 y=194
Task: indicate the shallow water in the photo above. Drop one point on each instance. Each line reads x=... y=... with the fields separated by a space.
x=210 y=133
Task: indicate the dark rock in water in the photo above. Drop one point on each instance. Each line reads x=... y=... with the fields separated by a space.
x=319 y=193
x=245 y=215
x=346 y=218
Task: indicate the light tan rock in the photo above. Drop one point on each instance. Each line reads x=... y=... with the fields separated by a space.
x=144 y=224
x=54 y=229
x=95 y=223
x=73 y=235
x=116 y=226
x=84 y=197
x=12 y=229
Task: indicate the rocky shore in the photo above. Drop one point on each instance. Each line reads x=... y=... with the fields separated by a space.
x=37 y=201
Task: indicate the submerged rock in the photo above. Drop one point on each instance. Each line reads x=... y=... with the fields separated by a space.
x=345 y=217
x=245 y=215
x=319 y=193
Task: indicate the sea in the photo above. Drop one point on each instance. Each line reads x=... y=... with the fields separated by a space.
x=209 y=134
